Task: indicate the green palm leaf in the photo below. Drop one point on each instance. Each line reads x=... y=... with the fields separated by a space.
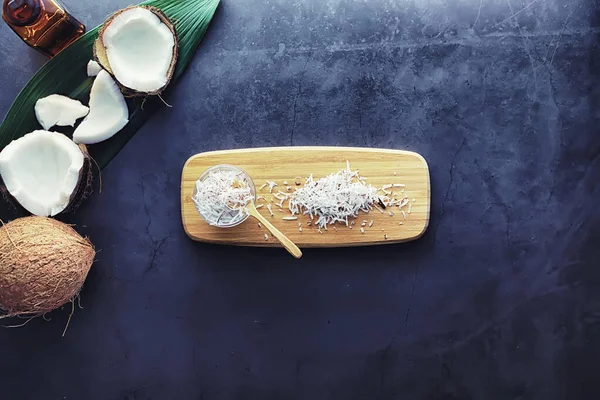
x=66 y=74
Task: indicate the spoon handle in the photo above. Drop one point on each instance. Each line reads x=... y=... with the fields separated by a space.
x=285 y=242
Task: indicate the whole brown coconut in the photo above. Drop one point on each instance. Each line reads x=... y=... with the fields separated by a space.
x=43 y=265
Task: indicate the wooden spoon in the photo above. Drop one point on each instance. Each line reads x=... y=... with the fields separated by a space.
x=285 y=242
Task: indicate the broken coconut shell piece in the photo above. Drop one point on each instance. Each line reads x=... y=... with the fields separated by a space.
x=108 y=112
x=45 y=172
x=93 y=68
x=57 y=110
x=138 y=46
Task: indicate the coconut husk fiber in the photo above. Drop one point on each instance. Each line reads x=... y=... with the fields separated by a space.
x=43 y=265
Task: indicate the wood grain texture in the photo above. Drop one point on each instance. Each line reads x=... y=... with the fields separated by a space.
x=281 y=164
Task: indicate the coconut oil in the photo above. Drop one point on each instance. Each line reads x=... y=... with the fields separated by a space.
x=45 y=25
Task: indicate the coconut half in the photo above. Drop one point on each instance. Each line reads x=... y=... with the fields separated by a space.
x=59 y=110
x=138 y=46
x=42 y=171
x=108 y=112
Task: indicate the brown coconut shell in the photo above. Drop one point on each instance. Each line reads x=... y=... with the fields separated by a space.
x=8 y=198
x=102 y=59
x=84 y=187
x=82 y=190
x=43 y=265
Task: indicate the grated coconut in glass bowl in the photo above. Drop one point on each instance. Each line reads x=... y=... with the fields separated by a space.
x=222 y=194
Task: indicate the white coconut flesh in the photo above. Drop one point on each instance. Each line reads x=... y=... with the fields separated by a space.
x=93 y=68
x=139 y=48
x=41 y=171
x=108 y=112
x=59 y=110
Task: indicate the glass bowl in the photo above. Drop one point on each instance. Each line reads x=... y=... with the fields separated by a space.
x=231 y=217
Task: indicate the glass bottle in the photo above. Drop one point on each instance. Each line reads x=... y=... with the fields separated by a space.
x=45 y=25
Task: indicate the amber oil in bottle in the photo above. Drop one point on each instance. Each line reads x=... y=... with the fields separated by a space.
x=45 y=25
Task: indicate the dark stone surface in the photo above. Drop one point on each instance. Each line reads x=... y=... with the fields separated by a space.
x=499 y=300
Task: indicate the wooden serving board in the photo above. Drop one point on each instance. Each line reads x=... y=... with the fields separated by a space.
x=281 y=164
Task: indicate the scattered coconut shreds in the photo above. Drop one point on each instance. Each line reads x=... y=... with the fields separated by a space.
x=398 y=185
x=334 y=198
x=289 y=188
x=264 y=185
x=259 y=225
x=308 y=223
x=281 y=210
x=271 y=185
x=413 y=200
x=221 y=198
x=385 y=237
x=395 y=173
x=285 y=183
x=300 y=229
x=260 y=206
x=266 y=237
x=290 y=218
x=409 y=208
x=353 y=223
x=362 y=230
x=391 y=214
x=403 y=203
x=270 y=209
x=386 y=187
x=404 y=214
x=299 y=223
x=371 y=223
x=259 y=198
x=380 y=210
x=401 y=223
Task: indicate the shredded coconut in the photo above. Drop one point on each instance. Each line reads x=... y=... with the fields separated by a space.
x=222 y=196
x=271 y=185
x=335 y=198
